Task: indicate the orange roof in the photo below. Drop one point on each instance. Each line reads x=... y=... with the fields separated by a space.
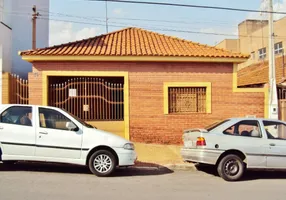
x=133 y=42
x=258 y=73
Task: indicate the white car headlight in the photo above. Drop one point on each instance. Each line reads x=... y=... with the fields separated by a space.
x=129 y=146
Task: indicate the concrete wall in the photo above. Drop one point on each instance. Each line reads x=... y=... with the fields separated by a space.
x=246 y=31
x=259 y=39
x=6 y=43
x=229 y=44
x=148 y=123
x=7 y=11
x=22 y=33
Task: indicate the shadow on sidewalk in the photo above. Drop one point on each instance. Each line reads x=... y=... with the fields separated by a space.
x=248 y=175
x=140 y=169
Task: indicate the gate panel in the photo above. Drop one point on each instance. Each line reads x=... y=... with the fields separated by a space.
x=89 y=98
x=19 y=90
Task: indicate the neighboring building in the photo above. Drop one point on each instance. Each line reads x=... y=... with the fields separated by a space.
x=16 y=32
x=229 y=44
x=253 y=40
x=145 y=86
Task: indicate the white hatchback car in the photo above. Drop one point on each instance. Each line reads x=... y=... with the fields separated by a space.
x=49 y=134
x=236 y=144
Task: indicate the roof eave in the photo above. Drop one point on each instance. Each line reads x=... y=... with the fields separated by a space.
x=33 y=58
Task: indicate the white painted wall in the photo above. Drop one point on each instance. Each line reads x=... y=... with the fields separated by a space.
x=6 y=11
x=6 y=44
x=22 y=32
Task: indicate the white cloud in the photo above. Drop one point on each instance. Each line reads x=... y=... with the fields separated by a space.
x=219 y=35
x=63 y=32
x=278 y=6
x=118 y=12
x=86 y=33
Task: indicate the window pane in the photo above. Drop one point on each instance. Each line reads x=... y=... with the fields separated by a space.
x=275 y=130
x=52 y=119
x=278 y=48
x=17 y=115
x=262 y=53
x=187 y=99
x=248 y=128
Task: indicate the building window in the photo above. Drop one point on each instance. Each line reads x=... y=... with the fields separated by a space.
x=262 y=53
x=192 y=97
x=187 y=99
x=278 y=48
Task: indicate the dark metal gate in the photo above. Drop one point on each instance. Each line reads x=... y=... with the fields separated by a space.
x=89 y=98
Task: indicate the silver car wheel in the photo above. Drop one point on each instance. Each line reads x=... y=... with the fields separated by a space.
x=102 y=163
x=231 y=167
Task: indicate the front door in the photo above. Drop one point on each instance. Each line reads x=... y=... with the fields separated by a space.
x=54 y=139
x=276 y=151
x=17 y=131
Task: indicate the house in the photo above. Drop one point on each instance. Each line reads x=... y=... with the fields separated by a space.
x=253 y=40
x=257 y=75
x=142 y=85
x=15 y=24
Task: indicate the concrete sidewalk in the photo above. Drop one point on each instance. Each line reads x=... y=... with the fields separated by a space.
x=161 y=156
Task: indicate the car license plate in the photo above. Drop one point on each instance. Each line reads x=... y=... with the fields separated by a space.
x=189 y=144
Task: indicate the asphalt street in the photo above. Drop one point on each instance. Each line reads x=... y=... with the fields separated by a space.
x=64 y=182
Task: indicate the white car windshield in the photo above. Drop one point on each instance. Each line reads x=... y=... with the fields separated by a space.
x=79 y=120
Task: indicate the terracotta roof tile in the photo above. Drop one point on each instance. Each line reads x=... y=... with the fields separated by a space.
x=133 y=42
x=258 y=73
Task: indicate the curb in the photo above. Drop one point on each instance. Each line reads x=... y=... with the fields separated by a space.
x=181 y=167
x=173 y=167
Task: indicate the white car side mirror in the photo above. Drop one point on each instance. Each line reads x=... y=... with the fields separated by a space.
x=71 y=126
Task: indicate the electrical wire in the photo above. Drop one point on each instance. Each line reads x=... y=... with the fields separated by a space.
x=188 y=6
x=158 y=29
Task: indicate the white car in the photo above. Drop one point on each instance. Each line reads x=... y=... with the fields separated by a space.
x=237 y=144
x=49 y=134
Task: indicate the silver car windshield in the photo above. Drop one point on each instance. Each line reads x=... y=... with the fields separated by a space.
x=216 y=124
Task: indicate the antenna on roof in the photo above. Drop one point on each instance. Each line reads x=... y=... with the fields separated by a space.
x=106 y=18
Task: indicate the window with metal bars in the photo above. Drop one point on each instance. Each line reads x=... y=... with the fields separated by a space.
x=187 y=99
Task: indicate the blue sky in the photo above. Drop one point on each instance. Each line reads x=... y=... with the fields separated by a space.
x=193 y=19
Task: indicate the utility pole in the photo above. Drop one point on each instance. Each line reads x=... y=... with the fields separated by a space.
x=273 y=100
x=34 y=26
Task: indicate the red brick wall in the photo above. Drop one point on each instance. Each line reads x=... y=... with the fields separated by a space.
x=147 y=120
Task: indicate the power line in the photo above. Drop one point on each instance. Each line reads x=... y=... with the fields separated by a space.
x=123 y=25
x=132 y=19
x=189 y=6
x=159 y=29
x=141 y=19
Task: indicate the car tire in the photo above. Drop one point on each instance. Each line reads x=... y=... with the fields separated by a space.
x=231 y=168
x=102 y=163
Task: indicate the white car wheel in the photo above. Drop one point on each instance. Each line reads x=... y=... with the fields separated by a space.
x=102 y=163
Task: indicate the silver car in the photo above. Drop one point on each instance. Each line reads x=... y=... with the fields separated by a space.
x=236 y=144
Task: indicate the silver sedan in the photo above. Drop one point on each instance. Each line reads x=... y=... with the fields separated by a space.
x=237 y=144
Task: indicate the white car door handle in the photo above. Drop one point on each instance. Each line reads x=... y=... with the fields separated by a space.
x=272 y=144
x=1 y=127
x=44 y=132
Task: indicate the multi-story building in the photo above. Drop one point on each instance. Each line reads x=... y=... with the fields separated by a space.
x=16 y=33
x=253 y=40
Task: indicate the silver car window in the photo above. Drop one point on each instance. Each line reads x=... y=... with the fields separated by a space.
x=248 y=128
x=275 y=130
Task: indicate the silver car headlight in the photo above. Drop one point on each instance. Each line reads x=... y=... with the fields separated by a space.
x=129 y=146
